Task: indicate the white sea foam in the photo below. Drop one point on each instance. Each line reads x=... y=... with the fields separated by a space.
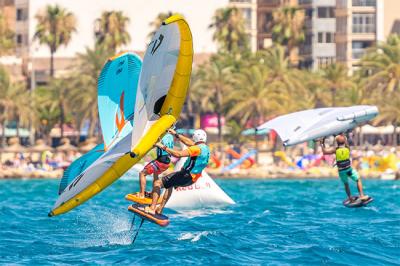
x=108 y=229
x=194 y=237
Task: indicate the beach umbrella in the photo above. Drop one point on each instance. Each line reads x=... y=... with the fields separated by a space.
x=14 y=146
x=40 y=146
x=66 y=146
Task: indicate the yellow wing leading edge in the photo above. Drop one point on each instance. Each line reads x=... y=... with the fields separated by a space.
x=170 y=112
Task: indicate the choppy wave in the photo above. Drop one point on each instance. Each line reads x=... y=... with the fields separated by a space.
x=273 y=222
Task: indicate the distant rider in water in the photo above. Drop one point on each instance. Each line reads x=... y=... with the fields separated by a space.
x=198 y=155
x=343 y=162
x=157 y=166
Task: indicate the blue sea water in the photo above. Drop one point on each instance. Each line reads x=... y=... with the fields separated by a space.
x=275 y=222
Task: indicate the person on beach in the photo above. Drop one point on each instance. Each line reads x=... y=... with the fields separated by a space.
x=198 y=154
x=157 y=166
x=343 y=162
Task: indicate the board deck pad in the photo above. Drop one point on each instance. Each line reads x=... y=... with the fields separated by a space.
x=357 y=202
x=159 y=219
x=143 y=201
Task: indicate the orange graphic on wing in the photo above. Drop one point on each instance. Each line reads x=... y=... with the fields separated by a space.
x=120 y=123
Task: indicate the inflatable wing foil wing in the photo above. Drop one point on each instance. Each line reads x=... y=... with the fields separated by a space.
x=299 y=127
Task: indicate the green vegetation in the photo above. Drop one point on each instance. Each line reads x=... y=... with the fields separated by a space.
x=54 y=29
x=229 y=30
x=111 y=31
x=243 y=87
x=6 y=36
x=288 y=28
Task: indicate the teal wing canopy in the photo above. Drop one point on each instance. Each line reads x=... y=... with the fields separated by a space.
x=79 y=165
x=117 y=87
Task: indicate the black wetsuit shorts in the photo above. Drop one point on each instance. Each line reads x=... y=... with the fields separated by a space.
x=183 y=178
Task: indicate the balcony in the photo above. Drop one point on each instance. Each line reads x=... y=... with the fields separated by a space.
x=364 y=28
x=371 y=3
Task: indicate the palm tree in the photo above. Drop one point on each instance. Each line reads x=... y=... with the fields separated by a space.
x=254 y=96
x=110 y=30
x=55 y=97
x=22 y=108
x=86 y=74
x=381 y=66
x=6 y=36
x=46 y=113
x=336 y=78
x=389 y=113
x=14 y=103
x=281 y=75
x=54 y=29
x=288 y=28
x=234 y=136
x=229 y=29
x=4 y=100
x=214 y=83
x=156 y=23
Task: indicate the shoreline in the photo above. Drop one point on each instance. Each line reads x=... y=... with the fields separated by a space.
x=256 y=173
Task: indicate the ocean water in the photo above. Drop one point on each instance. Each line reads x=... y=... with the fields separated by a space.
x=275 y=222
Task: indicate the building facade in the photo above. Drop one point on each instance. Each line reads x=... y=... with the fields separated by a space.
x=336 y=30
x=342 y=30
x=319 y=47
x=249 y=12
x=361 y=24
x=35 y=57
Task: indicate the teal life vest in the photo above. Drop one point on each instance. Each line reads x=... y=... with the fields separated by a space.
x=168 y=141
x=196 y=164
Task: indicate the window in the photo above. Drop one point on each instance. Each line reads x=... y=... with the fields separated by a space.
x=19 y=39
x=358 y=48
x=21 y=14
x=267 y=26
x=331 y=12
x=320 y=37
x=326 y=37
x=309 y=12
x=329 y=37
x=363 y=23
x=364 y=3
x=326 y=12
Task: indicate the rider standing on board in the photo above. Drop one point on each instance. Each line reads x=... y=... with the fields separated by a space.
x=343 y=162
x=198 y=154
x=157 y=166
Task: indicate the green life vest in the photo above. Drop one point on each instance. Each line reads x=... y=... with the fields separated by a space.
x=343 y=158
x=196 y=164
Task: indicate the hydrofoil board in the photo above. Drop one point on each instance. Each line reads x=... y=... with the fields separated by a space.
x=159 y=219
x=356 y=202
